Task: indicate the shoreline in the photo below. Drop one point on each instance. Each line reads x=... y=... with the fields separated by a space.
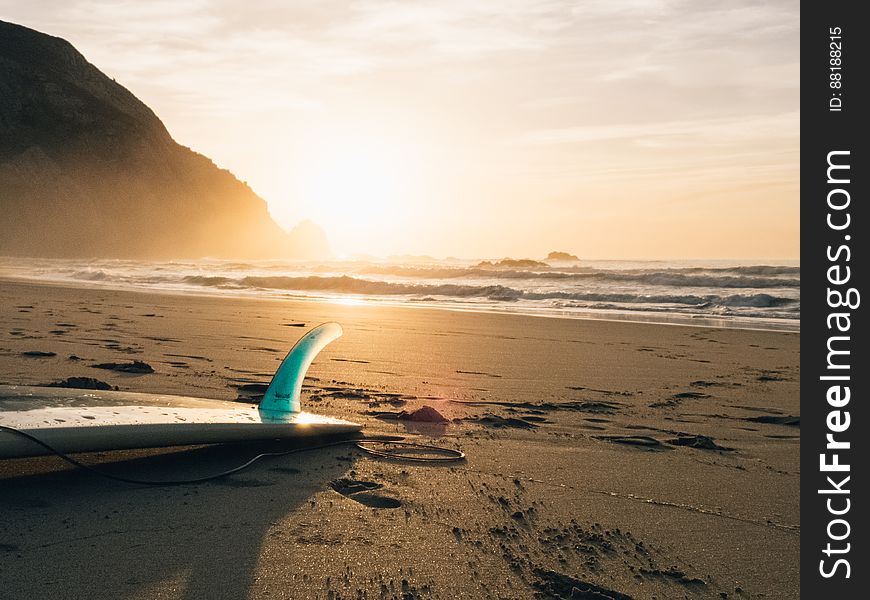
x=646 y=317
x=645 y=460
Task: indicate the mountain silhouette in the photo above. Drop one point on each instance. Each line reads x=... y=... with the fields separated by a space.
x=87 y=169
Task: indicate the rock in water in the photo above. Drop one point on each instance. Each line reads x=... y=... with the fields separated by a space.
x=562 y=257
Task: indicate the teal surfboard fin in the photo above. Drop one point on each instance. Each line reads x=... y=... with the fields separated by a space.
x=282 y=396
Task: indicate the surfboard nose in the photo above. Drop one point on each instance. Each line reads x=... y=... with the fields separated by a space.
x=283 y=394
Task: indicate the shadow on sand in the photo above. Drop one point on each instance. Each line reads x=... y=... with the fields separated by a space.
x=65 y=533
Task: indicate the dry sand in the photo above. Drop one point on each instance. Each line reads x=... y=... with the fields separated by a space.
x=580 y=477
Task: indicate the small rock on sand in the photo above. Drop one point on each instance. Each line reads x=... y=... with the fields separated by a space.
x=137 y=366
x=38 y=354
x=81 y=383
x=424 y=414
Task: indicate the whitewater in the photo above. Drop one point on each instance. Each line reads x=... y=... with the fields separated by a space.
x=744 y=294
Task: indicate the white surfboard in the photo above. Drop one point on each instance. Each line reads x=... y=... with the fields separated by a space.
x=72 y=420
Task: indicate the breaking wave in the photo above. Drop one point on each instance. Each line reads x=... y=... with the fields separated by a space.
x=735 y=277
x=352 y=285
x=670 y=290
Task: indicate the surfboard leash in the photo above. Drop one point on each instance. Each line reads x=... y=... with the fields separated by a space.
x=389 y=446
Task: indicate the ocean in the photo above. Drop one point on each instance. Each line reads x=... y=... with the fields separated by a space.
x=739 y=294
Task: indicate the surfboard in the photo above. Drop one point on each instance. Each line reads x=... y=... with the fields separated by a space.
x=74 y=420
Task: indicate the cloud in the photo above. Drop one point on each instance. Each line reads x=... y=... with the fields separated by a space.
x=704 y=133
x=593 y=48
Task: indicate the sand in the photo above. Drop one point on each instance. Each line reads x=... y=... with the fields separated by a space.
x=582 y=476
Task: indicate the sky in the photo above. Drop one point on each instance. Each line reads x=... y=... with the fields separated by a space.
x=656 y=129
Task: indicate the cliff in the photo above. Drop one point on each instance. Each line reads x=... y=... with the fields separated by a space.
x=86 y=169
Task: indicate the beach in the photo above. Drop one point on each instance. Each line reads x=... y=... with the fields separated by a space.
x=605 y=459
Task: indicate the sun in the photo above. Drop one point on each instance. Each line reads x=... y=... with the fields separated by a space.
x=358 y=186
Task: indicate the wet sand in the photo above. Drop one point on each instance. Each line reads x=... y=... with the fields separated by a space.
x=620 y=459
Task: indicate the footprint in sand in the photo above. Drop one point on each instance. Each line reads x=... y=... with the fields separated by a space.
x=363 y=492
x=38 y=354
